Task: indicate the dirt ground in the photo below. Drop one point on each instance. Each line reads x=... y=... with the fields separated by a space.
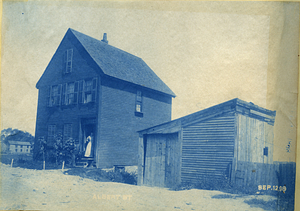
x=29 y=189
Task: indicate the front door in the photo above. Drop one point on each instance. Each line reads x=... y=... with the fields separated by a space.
x=88 y=137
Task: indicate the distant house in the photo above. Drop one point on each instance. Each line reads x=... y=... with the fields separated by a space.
x=92 y=89
x=19 y=147
x=209 y=144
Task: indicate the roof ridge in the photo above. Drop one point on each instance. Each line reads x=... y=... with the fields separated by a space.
x=120 y=64
x=118 y=49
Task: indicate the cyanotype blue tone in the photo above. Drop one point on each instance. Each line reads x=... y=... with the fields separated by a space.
x=102 y=108
x=225 y=147
x=90 y=87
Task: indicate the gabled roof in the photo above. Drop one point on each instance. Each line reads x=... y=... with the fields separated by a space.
x=234 y=105
x=120 y=64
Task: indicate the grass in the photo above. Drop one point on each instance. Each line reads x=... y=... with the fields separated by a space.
x=90 y=173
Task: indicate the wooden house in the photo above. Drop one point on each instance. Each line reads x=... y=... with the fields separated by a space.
x=91 y=88
x=208 y=144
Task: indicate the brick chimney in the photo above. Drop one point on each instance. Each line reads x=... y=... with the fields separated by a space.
x=105 y=38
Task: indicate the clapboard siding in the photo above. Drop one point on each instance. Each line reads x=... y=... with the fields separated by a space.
x=118 y=140
x=207 y=148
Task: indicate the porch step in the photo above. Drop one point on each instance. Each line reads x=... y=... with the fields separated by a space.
x=84 y=161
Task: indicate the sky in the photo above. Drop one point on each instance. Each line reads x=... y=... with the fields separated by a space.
x=206 y=52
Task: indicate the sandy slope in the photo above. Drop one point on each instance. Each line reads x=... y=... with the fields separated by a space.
x=52 y=190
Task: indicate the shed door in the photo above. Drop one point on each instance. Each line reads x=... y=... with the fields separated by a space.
x=155 y=161
x=172 y=159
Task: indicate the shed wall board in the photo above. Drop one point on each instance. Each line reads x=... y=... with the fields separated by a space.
x=208 y=148
x=253 y=136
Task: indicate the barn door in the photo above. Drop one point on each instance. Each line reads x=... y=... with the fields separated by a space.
x=172 y=159
x=155 y=161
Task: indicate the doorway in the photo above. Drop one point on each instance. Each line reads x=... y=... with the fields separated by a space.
x=88 y=131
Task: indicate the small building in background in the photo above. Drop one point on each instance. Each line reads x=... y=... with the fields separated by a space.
x=217 y=143
x=19 y=147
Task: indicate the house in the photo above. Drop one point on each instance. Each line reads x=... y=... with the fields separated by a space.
x=91 y=90
x=211 y=144
x=19 y=147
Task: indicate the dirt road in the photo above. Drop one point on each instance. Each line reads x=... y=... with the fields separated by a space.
x=52 y=190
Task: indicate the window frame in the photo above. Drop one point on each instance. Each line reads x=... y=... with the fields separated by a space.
x=51 y=133
x=139 y=103
x=68 y=61
x=68 y=129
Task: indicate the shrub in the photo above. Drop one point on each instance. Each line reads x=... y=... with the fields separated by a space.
x=65 y=150
x=120 y=176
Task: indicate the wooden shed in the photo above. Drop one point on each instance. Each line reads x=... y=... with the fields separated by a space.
x=206 y=144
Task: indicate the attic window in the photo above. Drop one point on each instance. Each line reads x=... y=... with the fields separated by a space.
x=68 y=61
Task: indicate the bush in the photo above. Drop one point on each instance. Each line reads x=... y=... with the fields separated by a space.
x=65 y=150
x=121 y=176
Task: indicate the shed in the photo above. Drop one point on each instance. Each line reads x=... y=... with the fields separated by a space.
x=206 y=144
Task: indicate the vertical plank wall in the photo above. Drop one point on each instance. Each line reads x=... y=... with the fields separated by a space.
x=162 y=160
x=155 y=160
x=253 y=167
x=207 y=149
x=172 y=178
x=253 y=136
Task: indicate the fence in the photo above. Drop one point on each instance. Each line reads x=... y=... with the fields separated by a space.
x=266 y=177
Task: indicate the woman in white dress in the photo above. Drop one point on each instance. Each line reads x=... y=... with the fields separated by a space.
x=88 y=149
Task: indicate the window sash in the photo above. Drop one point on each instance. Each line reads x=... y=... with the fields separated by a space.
x=68 y=61
x=51 y=133
x=54 y=96
x=139 y=101
x=67 y=131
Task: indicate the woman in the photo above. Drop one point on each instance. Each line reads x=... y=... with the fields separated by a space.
x=88 y=148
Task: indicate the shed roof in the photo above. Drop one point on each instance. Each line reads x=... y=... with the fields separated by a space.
x=234 y=105
x=119 y=64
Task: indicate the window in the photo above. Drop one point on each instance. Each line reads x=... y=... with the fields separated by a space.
x=266 y=151
x=87 y=91
x=139 y=102
x=54 y=95
x=51 y=133
x=68 y=61
x=70 y=93
x=67 y=131
x=84 y=91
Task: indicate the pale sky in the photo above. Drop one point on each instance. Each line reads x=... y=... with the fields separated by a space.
x=206 y=52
